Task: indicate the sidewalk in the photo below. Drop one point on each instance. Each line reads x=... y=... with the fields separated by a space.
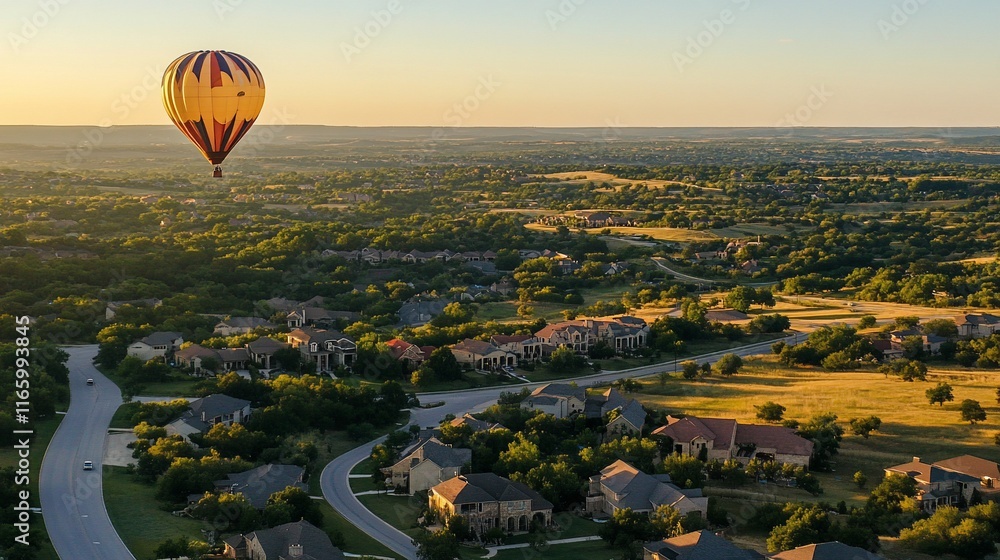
x=492 y=550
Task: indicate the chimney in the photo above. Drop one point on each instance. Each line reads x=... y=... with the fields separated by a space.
x=916 y=459
x=295 y=551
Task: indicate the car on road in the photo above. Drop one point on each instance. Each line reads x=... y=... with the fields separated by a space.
x=88 y=465
x=90 y=381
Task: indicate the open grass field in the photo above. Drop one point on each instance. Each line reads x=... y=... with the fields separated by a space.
x=44 y=430
x=357 y=541
x=910 y=426
x=751 y=230
x=399 y=511
x=661 y=234
x=138 y=518
x=880 y=207
x=581 y=177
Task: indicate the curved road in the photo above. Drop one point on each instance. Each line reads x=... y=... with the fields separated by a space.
x=72 y=499
x=695 y=280
x=336 y=485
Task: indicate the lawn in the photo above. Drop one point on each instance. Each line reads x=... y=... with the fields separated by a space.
x=399 y=511
x=660 y=234
x=910 y=426
x=44 y=430
x=137 y=516
x=358 y=542
x=177 y=385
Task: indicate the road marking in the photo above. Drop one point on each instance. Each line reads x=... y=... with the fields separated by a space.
x=85 y=515
x=97 y=542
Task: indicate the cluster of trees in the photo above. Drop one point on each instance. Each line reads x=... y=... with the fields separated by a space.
x=47 y=381
x=835 y=347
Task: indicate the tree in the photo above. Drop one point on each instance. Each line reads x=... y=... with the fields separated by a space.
x=972 y=411
x=940 y=394
x=865 y=426
x=948 y=531
x=941 y=327
x=439 y=545
x=564 y=360
x=866 y=321
x=825 y=434
x=443 y=364
x=298 y=503
x=627 y=385
x=625 y=529
x=770 y=411
x=907 y=370
x=860 y=479
x=807 y=525
x=556 y=482
x=774 y=323
x=729 y=364
x=689 y=370
x=685 y=471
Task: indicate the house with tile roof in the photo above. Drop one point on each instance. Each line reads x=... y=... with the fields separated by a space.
x=429 y=464
x=561 y=400
x=481 y=355
x=527 y=347
x=621 y=333
x=620 y=486
x=486 y=501
x=947 y=482
x=411 y=353
x=722 y=439
x=300 y=540
x=699 y=545
x=826 y=551
x=476 y=424
x=226 y=359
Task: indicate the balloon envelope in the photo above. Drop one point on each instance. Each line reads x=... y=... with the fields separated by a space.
x=213 y=97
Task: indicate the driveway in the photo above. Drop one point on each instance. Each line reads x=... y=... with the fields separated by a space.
x=72 y=499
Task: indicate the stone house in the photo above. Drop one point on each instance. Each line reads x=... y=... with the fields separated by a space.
x=486 y=501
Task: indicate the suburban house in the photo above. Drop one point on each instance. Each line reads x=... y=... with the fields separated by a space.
x=208 y=411
x=486 y=501
x=411 y=353
x=240 y=325
x=563 y=400
x=262 y=351
x=558 y=399
x=476 y=424
x=699 y=545
x=627 y=420
x=226 y=359
x=328 y=349
x=947 y=482
x=299 y=540
x=482 y=355
x=317 y=316
x=722 y=439
x=620 y=486
x=621 y=333
x=431 y=463
x=825 y=551
x=525 y=346
x=416 y=313
x=978 y=325
x=885 y=347
x=258 y=484
x=931 y=342
x=156 y=345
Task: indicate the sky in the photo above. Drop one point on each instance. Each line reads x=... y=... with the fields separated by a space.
x=544 y=63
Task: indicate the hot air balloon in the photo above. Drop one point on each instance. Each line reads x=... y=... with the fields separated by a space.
x=214 y=97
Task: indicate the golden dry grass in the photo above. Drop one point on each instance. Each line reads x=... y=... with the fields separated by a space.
x=910 y=425
x=660 y=234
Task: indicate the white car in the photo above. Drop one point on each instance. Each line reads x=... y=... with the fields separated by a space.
x=90 y=381
x=88 y=465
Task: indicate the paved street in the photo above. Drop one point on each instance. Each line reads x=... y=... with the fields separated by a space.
x=71 y=498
